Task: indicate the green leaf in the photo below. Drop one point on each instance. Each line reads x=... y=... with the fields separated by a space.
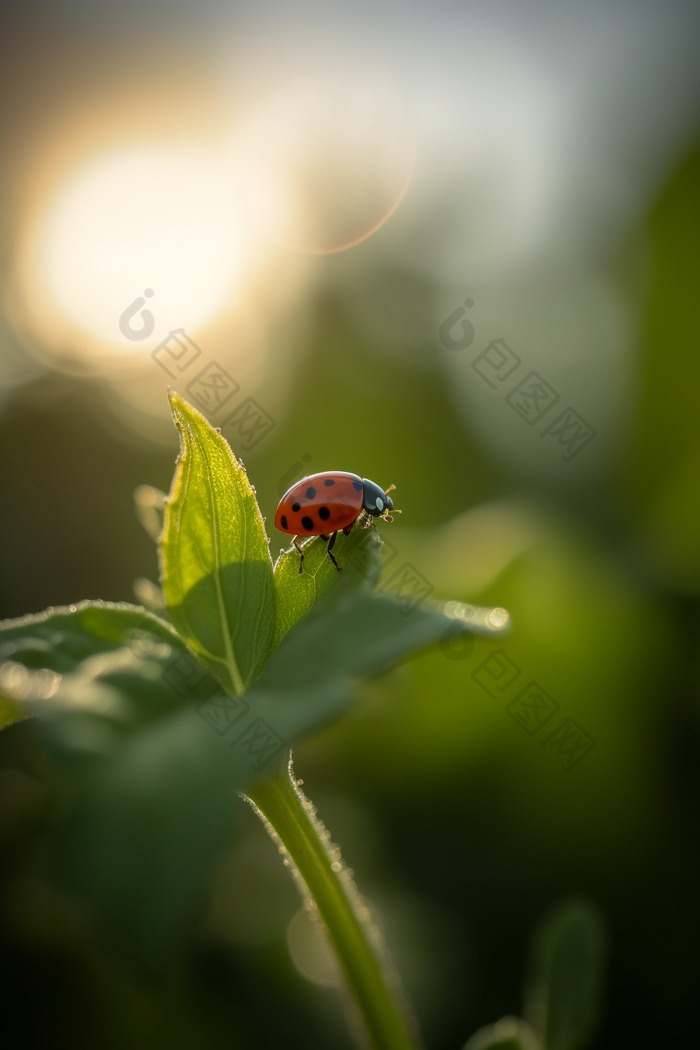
x=146 y=801
x=153 y=752
x=564 y=991
x=62 y=638
x=358 y=554
x=150 y=744
x=349 y=635
x=215 y=560
x=510 y=1033
x=43 y=656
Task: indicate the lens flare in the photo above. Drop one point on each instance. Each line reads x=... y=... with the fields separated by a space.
x=323 y=164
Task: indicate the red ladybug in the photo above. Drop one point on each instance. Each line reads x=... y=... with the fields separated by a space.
x=323 y=504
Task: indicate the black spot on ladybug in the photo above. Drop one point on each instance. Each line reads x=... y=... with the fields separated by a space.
x=329 y=482
x=310 y=492
x=307 y=523
x=283 y=521
x=357 y=485
x=324 y=514
x=296 y=506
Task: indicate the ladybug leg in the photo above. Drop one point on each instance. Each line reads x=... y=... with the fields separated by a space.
x=297 y=543
x=329 y=548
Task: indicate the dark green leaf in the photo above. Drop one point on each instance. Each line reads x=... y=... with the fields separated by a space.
x=115 y=689
x=61 y=639
x=62 y=662
x=153 y=775
x=349 y=635
x=564 y=991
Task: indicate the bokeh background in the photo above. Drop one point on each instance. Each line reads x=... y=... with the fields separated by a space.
x=310 y=192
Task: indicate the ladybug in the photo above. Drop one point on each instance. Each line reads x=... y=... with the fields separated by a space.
x=323 y=504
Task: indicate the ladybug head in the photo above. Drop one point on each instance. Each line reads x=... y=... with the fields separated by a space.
x=376 y=501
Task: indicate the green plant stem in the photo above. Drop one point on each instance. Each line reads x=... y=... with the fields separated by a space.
x=291 y=820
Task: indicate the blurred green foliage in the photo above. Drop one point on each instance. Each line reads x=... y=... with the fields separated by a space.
x=461 y=827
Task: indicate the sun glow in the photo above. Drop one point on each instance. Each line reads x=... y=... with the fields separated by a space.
x=151 y=220
x=126 y=245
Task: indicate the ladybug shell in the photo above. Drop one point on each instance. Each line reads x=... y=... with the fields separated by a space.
x=320 y=504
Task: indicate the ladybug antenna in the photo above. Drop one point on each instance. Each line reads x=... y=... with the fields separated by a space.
x=388 y=517
x=390 y=489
